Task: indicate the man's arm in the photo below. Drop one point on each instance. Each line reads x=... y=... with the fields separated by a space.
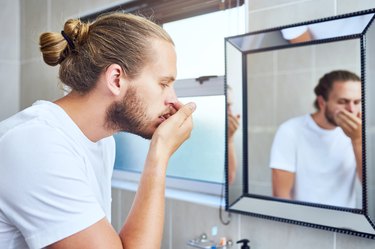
x=282 y=183
x=233 y=123
x=352 y=127
x=146 y=217
x=144 y=225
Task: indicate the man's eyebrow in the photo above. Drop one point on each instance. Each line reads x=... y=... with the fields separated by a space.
x=167 y=78
x=348 y=99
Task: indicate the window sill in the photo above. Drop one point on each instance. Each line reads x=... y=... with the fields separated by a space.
x=212 y=199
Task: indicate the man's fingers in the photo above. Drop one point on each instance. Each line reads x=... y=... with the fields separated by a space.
x=348 y=118
x=341 y=121
x=350 y=124
x=233 y=121
x=346 y=126
x=348 y=130
x=184 y=112
x=347 y=115
x=178 y=105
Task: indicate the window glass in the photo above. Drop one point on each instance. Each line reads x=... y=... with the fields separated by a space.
x=199 y=41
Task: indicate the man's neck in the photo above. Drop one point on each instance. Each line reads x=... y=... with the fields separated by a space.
x=320 y=119
x=88 y=113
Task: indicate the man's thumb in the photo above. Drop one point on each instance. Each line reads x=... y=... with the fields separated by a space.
x=188 y=109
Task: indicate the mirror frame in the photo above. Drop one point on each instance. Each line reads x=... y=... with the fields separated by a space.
x=332 y=218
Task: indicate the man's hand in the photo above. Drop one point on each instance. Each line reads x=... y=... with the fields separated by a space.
x=174 y=131
x=233 y=123
x=350 y=124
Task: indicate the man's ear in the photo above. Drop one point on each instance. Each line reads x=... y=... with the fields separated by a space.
x=321 y=102
x=115 y=79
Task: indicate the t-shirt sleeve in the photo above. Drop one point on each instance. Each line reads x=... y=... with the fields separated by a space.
x=49 y=196
x=283 y=150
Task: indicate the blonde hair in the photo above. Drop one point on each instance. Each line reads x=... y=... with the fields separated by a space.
x=88 y=49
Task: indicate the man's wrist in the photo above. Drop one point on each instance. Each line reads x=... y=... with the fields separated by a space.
x=357 y=142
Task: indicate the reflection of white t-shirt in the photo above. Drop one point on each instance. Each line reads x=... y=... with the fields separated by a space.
x=323 y=161
x=54 y=181
x=334 y=28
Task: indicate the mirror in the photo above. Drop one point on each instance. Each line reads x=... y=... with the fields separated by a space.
x=271 y=77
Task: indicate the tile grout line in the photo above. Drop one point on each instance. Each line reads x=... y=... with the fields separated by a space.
x=170 y=230
x=49 y=16
x=334 y=240
x=335 y=6
x=278 y=6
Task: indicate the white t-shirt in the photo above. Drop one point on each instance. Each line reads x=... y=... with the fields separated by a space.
x=54 y=181
x=323 y=161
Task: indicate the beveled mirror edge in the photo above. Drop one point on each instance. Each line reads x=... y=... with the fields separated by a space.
x=368 y=227
x=232 y=74
x=363 y=225
x=331 y=18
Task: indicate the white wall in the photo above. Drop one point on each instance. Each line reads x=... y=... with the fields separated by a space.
x=9 y=57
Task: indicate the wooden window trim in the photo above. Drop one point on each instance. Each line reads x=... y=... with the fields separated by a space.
x=163 y=11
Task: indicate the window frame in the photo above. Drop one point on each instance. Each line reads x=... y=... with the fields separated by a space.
x=161 y=11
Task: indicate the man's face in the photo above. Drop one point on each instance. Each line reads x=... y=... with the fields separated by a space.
x=343 y=96
x=150 y=97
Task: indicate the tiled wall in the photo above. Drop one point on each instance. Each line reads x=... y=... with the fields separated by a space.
x=183 y=220
x=38 y=80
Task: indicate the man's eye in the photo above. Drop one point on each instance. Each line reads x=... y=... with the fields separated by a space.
x=164 y=85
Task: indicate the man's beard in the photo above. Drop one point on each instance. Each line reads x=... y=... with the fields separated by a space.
x=129 y=115
x=330 y=116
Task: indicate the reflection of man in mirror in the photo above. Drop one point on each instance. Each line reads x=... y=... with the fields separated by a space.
x=233 y=123
x=318 y=157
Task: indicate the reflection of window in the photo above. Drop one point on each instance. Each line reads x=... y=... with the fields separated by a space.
x=199 y=158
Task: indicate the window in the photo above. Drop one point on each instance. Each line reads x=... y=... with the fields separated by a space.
x=199 y=41
x=199 y=44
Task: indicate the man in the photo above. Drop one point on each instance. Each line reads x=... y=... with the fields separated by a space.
x=56 y=159
x=233 y=124
x=317 y=158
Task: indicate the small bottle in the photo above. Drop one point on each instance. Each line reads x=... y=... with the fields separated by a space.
x=244 y=243
x=223 y=241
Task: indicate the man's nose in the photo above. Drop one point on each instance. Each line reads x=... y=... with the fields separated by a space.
x=350 y=107
x=171 y=97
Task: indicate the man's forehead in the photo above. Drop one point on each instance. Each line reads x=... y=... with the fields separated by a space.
x=339 y=84
x=348 y=88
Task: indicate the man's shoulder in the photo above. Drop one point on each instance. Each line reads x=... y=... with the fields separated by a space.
x=34 y=126
x=295 y=122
